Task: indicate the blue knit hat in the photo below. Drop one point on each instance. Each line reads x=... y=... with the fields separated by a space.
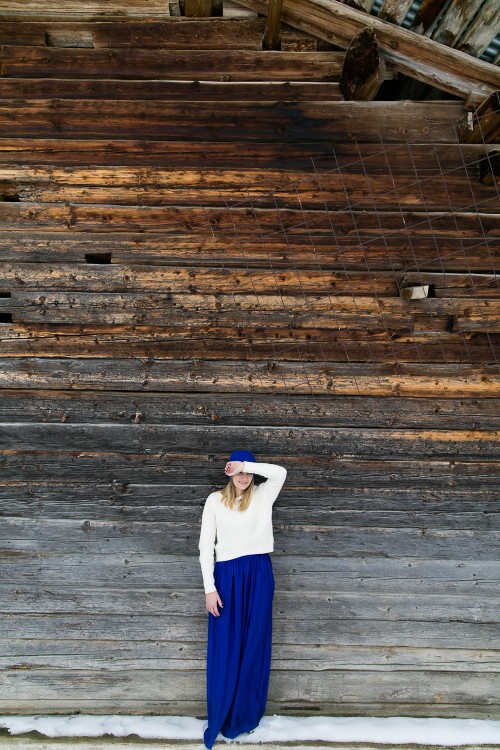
x=242 y=456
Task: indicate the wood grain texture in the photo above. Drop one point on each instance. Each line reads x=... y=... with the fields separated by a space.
x=416 y=56
x=357 y=158
x=290 y=189
x=237 y=409
x=242 y=65
x=230 y=121
x=191 y=265
x=180 y=91
x=307 y=378
x=393 y=252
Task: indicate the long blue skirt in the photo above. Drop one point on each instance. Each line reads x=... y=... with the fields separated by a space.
x=239 y=646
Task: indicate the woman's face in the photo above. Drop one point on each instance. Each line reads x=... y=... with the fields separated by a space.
x=242 y=481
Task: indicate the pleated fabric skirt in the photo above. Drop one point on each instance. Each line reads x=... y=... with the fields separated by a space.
x=239 y=646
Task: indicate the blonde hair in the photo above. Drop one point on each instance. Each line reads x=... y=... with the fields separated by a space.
x=229 y=495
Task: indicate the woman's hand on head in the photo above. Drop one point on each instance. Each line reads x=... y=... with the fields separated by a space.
x=233 y=467
x=212 y=600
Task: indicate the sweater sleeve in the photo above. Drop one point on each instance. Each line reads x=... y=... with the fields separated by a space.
x=207 y=545
x=274 y=474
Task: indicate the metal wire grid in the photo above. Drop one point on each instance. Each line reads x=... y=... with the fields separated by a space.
x=426 y=216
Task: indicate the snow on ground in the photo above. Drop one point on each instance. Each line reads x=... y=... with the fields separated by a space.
x=396 y=731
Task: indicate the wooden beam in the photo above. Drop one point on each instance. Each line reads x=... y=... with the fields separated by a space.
x=416 y=56
x=198 y=8
x=489 y=169
x=364 y=68
x=147 y=64
x=272 y=38
x=483 y=126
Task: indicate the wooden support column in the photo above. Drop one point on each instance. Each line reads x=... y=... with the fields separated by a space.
x=483 y=125
x=198 y=8
x=272 y=39
x=489 y=169
x=364 y=69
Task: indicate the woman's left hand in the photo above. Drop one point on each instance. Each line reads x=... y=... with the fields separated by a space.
x=233 y=467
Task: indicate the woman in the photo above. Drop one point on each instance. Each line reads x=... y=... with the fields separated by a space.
x=237 y=526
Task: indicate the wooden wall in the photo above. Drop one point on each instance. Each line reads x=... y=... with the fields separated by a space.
x=191 y=266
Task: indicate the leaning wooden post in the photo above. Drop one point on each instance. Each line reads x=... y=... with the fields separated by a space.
x=483 y=125
x=272 y=39
x=363 y=71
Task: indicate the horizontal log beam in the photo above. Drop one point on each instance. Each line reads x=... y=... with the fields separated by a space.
x=327 y=122
x=311 y=313
x=337 y=506
x=180 y=91
x=222 y=377
x=290 y=189
x=228 y=409
x=246 y=222
x=314 y=441
x=119 y=470
x=355 y=158
x=409 y=53
x=173 y=538
x=385 y=347
x=394 y=252
x=240 y=65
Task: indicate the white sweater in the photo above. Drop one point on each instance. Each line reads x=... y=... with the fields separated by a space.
x=234 y=533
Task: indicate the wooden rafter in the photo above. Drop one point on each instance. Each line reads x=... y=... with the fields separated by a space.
x=273 y=26
x=421 y=58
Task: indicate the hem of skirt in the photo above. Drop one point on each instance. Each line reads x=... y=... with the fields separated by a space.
x=240 y=731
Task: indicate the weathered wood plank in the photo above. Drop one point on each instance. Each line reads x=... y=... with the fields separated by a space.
x=311 y=312
x=348 y=379
x=314 y=442
x=174 y=33
x=292 y=510
x=394 y=251
x=426 y=16
x=197 y=708
x=340 y=686
x=85 y=8
x=239 y=409
x=121 y=470
x=143 y=63
x=415 y=634
x=243 y=221
x=62 y=654
x=278 y=121
x=454 y=20
x=157 y=187
x=391 y=607
x=386 y=574
x=180 y=91
x=26 y=742
x=89 y=537
x=394 y=11
x=479 y=34
x=383 y=346
x=149 y=572
x=45 y=176
x=131 y=278
x=357 y=158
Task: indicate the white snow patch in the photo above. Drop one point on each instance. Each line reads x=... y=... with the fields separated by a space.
x=396 y=730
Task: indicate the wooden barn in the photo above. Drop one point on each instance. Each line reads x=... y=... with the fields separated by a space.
x=250 y=226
